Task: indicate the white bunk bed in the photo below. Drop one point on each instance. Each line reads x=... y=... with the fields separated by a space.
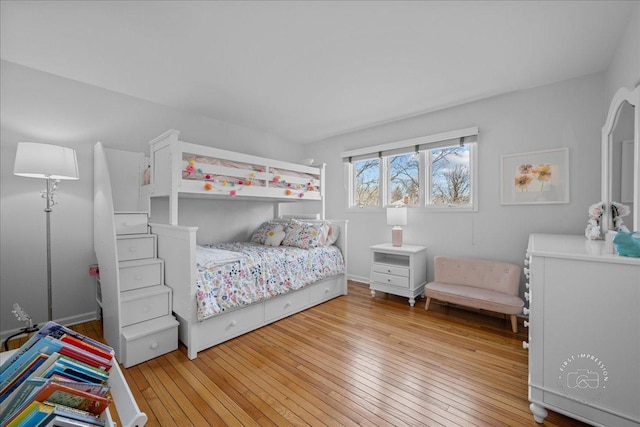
x=229 y=175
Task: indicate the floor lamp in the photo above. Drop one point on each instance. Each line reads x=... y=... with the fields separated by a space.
x=53 y=163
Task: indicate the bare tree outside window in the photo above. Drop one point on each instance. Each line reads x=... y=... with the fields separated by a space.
x=404 y=179
x=367 y=182
x=450 y=176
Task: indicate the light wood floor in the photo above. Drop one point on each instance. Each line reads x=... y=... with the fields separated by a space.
x=354 y=360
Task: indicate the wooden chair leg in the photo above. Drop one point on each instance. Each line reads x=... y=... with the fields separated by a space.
x=514 y=323
x=426 y=305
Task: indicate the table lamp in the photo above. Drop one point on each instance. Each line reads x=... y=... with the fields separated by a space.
x=396 y=216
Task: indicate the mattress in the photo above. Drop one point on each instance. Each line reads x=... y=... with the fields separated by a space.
x=246 y=273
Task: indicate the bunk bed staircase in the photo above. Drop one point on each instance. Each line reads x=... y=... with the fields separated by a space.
x=136 y=304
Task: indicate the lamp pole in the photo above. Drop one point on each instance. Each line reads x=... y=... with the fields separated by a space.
x=51 y=186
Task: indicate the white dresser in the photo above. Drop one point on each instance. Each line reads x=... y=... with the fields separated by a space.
x=584 y=330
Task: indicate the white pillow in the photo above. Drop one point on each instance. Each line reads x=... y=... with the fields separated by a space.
x=334 y=232
x=275 y=236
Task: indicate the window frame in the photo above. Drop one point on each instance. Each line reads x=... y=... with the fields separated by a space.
x=423 y=146
x=351 y=179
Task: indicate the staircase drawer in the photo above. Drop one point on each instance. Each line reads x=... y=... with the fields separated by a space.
x=131 y=222
x=140 y=273
x=144 y=341
x=145 y=304
x=133 y=246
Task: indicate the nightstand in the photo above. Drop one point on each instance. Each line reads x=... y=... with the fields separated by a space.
x=398 y=270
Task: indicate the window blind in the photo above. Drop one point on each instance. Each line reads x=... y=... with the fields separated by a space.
x=445 y=139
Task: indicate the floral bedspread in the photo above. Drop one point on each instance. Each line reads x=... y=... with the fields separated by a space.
x=262 y=273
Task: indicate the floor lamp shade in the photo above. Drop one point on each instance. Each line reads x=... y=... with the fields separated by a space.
x=53 y=163
x=396 y=216
x=36 y=160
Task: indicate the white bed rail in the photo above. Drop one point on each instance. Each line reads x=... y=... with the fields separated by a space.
x=167 y=166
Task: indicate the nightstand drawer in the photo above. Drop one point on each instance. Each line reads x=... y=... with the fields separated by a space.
x=136 y=247
x=390 y=279
x=140 y=273
x=391 y=269
x=145 y=304
x=131 y=222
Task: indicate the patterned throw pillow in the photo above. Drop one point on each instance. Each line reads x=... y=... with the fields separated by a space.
x=261 y=234
x=305 y=235
x=275 y=236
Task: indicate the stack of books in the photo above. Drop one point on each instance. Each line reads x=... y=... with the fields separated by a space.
x=59 y=377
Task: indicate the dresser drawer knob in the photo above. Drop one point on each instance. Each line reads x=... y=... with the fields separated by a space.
x=525 y=311
x=527 y=296
x=288 y=304
x=154 y=346
x=388 y=271
x=527 y=285
x=526 y=323
x=525 y=345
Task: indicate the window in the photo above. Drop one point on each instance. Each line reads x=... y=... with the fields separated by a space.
x=366 y=182
x=435 y=172
x=450 y=175
x=404 y=179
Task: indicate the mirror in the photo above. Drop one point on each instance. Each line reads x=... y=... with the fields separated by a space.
x=621 y=157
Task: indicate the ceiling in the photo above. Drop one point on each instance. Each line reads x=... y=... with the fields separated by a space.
x=305 y=71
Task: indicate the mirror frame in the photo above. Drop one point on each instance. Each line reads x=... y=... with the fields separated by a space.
x=633 y=98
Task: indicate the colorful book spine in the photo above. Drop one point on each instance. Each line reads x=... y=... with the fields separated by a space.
x=58 y=374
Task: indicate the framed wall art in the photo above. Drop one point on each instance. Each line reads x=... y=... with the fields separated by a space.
x=537 y=177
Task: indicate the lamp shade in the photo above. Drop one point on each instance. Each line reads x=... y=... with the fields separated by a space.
x=397 y=215
x=36 y=160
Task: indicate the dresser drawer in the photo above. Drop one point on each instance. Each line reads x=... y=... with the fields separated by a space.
x=140 y=273
x=133 y=246
x=144 y=341
x=131 y=222
x=285 y=305
x=391 y=269
x=390 y=279
x=144 y=304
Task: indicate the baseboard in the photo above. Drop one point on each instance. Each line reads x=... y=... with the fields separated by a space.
x=360 y=279
x=65 y=321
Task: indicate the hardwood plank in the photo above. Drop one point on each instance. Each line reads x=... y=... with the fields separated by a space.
x=354 y=360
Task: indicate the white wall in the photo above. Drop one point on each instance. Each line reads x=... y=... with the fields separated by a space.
x=566 y=114
x=41 y=107
x=624 y=70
